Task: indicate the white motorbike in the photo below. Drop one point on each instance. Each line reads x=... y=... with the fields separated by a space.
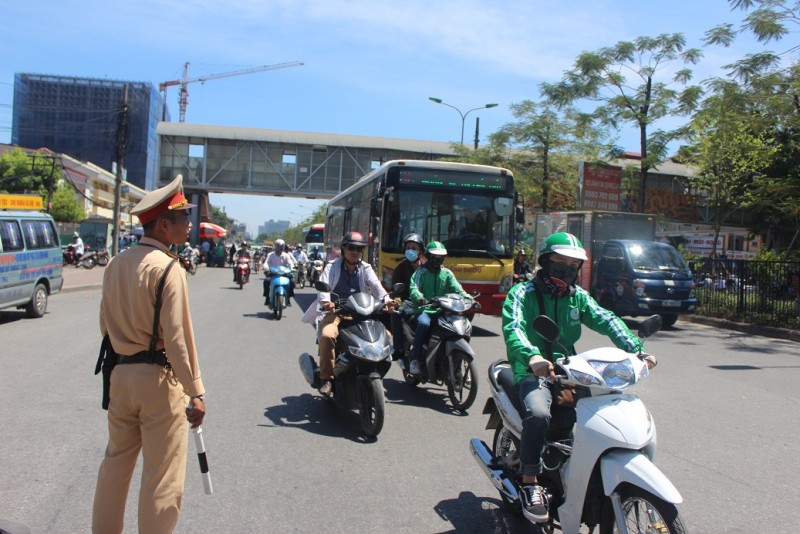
x=598 y=458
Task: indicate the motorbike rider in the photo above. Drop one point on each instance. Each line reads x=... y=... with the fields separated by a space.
x=414 y=246
x=345 y=275
x=300 y=257
x=77 y=247
x=521 y=267
x=315 y=254
x=553 y=291
x=430 y=281
x=241 y=254
x=276 y=258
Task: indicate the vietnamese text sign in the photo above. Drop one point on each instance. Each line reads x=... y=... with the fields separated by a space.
x=600 y=186
x=21 y=202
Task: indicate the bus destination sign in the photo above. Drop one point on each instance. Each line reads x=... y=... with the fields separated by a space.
x=457 y=180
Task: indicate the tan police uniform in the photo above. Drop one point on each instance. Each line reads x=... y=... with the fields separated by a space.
x=147 y=401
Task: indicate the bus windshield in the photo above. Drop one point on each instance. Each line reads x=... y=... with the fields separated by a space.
x=314 y=234
x=467 y=223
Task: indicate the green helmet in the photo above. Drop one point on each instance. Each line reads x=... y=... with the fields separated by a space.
x=435 y=248
x=564 y=244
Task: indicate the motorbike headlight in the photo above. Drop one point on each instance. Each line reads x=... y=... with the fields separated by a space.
x=617 y=375
x=372 y=351
x=584 y=378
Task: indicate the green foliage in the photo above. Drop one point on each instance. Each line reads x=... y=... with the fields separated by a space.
x=67 y=208
x=219 y=217
x=639 y=98
x=24 y=173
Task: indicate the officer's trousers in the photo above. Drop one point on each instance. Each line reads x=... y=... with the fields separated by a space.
x=147 y=412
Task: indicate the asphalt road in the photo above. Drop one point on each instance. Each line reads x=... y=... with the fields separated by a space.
x=283 y=460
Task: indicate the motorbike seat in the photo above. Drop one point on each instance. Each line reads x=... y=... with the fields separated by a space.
x=506 y=380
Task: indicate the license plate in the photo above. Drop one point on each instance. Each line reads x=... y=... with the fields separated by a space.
x=671 y=303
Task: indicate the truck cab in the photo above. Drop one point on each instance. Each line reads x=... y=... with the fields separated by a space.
x=632 y=278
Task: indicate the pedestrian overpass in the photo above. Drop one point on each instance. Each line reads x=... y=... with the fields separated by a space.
x=227 y=159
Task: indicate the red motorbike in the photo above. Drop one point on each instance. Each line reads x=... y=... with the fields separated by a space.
x=242 y=271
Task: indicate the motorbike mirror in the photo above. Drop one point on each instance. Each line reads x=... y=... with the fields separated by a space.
x=475 y=293
x=547 y=328
x=398 y=288
x=650 y=326
x=322 y=286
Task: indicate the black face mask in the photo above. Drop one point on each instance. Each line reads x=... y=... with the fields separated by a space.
x=434 y=263
x=562 y=272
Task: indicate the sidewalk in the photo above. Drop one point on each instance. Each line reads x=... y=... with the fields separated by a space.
x=79 y=279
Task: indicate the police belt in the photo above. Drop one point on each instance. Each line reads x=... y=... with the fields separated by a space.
x=158 y=357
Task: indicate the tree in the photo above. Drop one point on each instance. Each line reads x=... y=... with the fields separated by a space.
x=730 y=156
x=603 y=77
x=771 y=20
x=550 y=143
x=219 y=217
x=67 y=208
x=28 y=173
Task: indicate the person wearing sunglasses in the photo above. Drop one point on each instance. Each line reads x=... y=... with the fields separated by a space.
x=345 y=275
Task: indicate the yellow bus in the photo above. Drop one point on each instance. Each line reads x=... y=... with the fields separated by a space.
x=469 y=208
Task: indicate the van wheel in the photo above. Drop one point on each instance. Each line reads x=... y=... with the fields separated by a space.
x=38 y=303
x=668 y=319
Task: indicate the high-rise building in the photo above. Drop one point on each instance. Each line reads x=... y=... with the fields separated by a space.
x=80 y=117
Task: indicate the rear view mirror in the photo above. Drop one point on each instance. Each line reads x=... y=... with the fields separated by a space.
x=650 y=326
x=322 y=286
x=398 y=288
x=547 y=328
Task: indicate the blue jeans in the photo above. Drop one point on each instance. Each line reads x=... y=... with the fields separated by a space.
x=536 y=399
x=421 y=334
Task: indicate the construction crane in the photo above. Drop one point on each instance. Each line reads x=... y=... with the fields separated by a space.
x=183 y=100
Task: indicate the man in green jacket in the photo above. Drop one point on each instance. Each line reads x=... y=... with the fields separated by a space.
x=552 y=292
x=430 y=281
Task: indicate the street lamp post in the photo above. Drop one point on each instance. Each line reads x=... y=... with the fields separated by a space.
x=463 y=115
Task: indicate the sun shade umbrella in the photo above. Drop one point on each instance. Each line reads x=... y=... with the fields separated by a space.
x=208 y=229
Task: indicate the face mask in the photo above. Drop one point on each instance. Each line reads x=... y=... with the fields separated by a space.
x=562 y=272
x=411 y=255
x=434 y=263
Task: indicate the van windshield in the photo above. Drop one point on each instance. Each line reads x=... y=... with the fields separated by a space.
x=657 y=258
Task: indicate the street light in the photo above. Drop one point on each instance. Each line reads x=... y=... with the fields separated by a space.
x=463 y=115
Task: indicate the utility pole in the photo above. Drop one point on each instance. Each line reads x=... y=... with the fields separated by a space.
x=477 y=127
x=122 y=132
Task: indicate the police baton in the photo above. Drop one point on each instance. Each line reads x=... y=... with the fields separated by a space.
x=201 y=456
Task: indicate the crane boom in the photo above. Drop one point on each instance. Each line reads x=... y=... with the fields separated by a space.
x=183 y=99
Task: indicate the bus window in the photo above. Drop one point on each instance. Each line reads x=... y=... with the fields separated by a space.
x=463 y=222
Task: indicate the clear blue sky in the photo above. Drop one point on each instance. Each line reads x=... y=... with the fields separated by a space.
x=369 y=66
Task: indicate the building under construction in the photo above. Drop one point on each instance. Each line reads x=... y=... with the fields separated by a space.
x=81 y=117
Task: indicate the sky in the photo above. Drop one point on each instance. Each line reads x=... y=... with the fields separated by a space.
x=369 y=67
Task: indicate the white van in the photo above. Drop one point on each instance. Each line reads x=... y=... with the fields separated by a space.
x=30 y=260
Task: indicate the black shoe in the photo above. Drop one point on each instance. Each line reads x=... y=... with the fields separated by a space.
x=398 y=355
x=534 y=504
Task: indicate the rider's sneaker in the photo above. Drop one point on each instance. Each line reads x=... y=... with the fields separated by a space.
x=534 y=505
x=326 y=388
x=415 y=368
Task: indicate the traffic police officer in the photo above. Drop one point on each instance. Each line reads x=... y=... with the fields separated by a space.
x=148 y=400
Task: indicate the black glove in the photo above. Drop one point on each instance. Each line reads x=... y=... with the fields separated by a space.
x=422 y=301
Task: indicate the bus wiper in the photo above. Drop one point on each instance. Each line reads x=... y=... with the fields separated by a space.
x=498 y=260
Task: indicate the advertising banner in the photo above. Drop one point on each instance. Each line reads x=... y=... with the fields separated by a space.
x=600 y=186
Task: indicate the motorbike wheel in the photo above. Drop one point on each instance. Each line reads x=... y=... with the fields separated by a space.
x=370 y=405
x=102 y=260
x=241 y=283
x=278 y=307
x=88 y=263
x=644 y=512
x=38 y=303
x=668 y=319
x=463 y=387
x=505 y=447
x=411 y=380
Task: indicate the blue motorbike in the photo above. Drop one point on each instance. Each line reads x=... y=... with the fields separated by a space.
x=280 y=279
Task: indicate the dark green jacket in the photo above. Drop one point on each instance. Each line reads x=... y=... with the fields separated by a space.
x=521 y=307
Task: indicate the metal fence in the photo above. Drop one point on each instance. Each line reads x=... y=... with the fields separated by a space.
x=750 y=291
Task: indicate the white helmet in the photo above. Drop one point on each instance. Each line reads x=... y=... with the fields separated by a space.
x=280 y=245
